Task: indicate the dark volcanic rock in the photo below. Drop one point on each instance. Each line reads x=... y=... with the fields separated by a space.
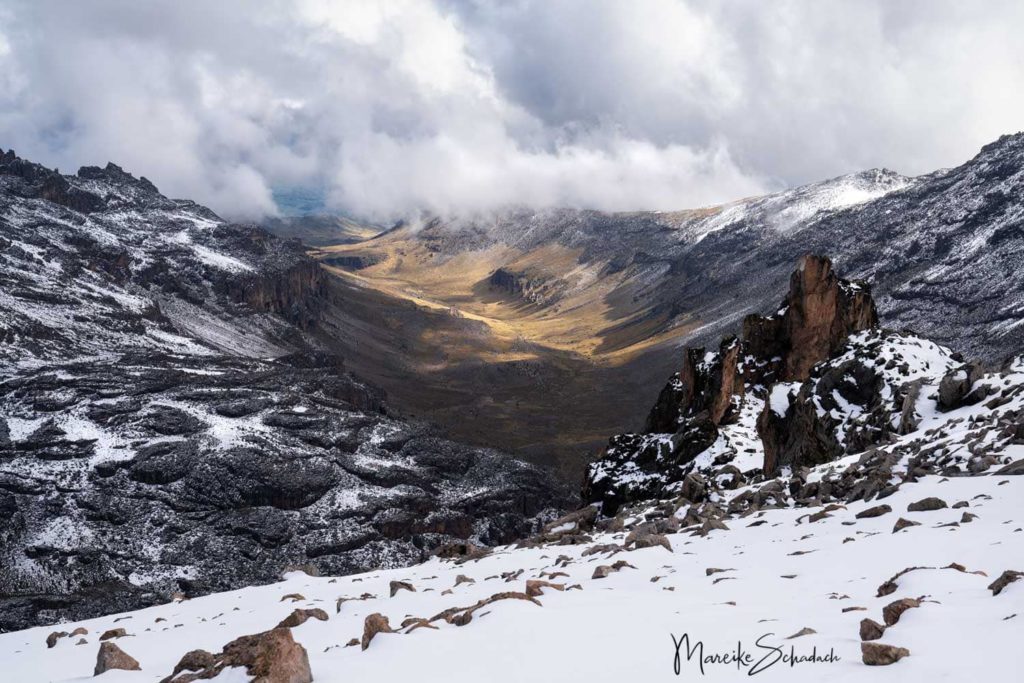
x=813 y=324
x=156 y=437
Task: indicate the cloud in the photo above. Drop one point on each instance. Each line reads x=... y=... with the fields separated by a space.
x=400 y=106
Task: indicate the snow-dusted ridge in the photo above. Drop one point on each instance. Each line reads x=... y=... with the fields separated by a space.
x=169 y=421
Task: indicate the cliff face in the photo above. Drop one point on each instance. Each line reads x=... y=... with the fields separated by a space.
x=295 y=293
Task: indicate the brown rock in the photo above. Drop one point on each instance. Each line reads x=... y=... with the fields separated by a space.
x=301 y=616
x=579 y=521
x=820 y=312
x=194 y=660
x=650 y=541
x=535 y=587
x=903 y=524
x=372 y=625
x=111 y=656
x=802 y=632
x=891 y=613
x=114 y=633
x=880 y=654
x=51 y=640
x=1004 y=580
x=876 y=511
x=870 y=629
x=294 y=597
x=268 y=657
x=715 y=570
x=401 y=586
x=927 y=505
x=462 y=578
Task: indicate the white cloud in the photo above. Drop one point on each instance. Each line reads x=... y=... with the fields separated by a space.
x=404 y=105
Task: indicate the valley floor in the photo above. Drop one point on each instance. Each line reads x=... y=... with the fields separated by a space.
x=780 y=574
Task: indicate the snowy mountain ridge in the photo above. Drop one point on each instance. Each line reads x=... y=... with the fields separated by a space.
x=169 y=422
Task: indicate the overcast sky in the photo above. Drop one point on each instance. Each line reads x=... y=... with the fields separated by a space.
x=395 y=106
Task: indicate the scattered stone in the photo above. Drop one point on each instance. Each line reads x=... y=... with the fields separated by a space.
x=927 y=505
x=880 y=654
x=113 y=633
x=902 y=523
x=892 y=612
x=294 y=597
x=876 y=511
x=535 y=587
x=870 y=629
x=400 y=586
x=1004 y=580
x=372 y=625
x=462 y=578
x=111 y=656
x=802 y=632
x=301 y=616
x=51 y=640
x=1015 y=467
x=194 y=660
x=650 y=541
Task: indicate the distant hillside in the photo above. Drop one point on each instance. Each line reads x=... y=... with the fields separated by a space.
x=321 y=229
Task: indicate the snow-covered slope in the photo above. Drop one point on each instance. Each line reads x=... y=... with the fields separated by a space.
x=886 y=532
x=760 y=580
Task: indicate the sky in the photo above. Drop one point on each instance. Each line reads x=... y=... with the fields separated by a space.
x=387 y=108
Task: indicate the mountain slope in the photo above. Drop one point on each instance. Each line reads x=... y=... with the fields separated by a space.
x=940 y=580
x=170 y=423
x=616 y=295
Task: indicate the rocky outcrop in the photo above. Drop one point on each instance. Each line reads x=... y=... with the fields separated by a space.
x=793 y=432
x=814 y=323
x=531 y=288
x=111 y=656
x=295 y=293
x=269 y=657
x=817 y=316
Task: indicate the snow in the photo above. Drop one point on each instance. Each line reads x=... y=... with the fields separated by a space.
x=797 y=208
x=779 y=398
x=620 y=628
x=219 y=260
